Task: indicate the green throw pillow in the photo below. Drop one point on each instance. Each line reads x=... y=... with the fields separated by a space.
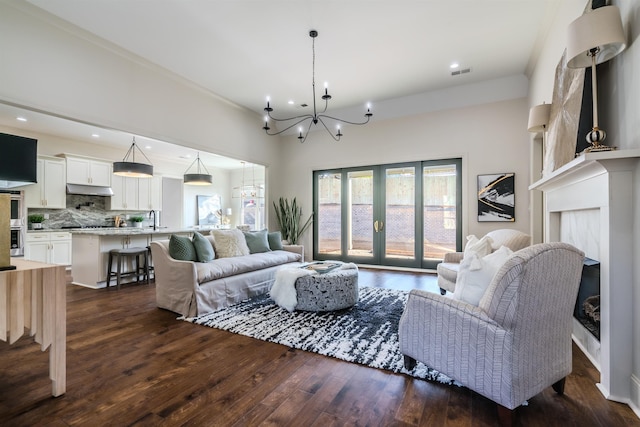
x=203 y=247
x=181 y=248
x=275 y=241
x=257 y=241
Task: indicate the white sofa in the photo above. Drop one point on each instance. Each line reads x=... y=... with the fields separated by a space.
x=195 y=288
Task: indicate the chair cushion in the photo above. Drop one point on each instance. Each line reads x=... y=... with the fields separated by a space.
x=481 y=247
x=476 y=273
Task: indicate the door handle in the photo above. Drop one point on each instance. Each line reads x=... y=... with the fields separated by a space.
x=376 y=226
x=381 y=225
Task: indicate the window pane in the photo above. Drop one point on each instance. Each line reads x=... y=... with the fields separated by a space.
x=329 y=211
x=439 y=204
x=400 y=213
x=360 y=226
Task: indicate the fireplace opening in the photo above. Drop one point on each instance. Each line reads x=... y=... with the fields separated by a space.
x=587 y=309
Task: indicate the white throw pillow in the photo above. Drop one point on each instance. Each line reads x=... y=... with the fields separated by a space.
x=480 y=247
x=476 y=273
x=229 y=243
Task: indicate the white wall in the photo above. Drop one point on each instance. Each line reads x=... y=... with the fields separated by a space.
x=619 y=110
x=490 y=138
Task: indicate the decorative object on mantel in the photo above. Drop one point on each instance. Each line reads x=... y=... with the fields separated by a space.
x=496 y=197
x=595 y=37
x=131 y=168
x=315 y=117
x=198 y=178
x=288 y=216
x=5 y=233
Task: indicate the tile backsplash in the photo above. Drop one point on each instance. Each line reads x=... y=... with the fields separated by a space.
x=85 y=211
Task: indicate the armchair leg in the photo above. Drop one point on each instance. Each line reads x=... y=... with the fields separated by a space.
x=443 y=291
x=409 y=363
x=505 y=416
x=559 y=386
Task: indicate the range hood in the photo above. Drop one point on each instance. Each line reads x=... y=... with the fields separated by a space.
x=89 y=190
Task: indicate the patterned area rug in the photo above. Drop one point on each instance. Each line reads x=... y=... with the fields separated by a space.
x=366 y=333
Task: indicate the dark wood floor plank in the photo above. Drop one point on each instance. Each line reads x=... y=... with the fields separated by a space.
x=130 y=363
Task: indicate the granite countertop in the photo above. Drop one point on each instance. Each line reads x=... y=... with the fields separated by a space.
x=116 y=231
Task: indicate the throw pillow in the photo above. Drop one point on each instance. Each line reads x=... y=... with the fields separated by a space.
x=275 y=241
x=229 y=243
x=181 y=248
x=481 y=247
x=203 y=247
x=257 y=241
x=476 y=274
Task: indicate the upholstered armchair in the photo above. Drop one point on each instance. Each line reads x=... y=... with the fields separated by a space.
x=448 y=268
x=516 y=342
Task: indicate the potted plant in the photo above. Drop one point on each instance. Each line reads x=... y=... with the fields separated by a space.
x=289 y=216
x=35 y=221
x=137 y=221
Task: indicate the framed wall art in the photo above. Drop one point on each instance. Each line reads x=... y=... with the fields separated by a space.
x=209 y=210
x=496 y=197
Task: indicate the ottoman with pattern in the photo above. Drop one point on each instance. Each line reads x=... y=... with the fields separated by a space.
x=335 y=290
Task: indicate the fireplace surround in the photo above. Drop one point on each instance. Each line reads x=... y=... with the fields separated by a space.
x=589 y=203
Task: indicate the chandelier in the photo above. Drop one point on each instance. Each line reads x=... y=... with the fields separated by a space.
x=315 y=118
x=130 y=168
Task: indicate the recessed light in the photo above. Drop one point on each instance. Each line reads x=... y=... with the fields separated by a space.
x=95 y=135
x=21 y=119
x=454 y=65
x=148 y=147
x=291 y=102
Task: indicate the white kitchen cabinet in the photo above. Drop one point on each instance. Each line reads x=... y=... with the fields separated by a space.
x=150 y=193
x=86 y=171
x=50 y=247
x=49 y=191
x=125 y=193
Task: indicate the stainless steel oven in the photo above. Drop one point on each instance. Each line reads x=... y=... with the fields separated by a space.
x=17 y=241
x=18 y=222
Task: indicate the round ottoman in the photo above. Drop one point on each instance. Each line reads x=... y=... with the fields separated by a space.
x=330 y=291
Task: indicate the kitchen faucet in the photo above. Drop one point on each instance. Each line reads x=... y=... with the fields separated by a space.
x=153 y=213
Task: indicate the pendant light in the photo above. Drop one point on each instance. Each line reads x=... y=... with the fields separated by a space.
x=198 y=178
x=132 y=168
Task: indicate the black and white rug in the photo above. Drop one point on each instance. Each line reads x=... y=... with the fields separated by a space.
x=366 y=333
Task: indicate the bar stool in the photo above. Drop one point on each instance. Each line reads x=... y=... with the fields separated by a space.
x=123 y=255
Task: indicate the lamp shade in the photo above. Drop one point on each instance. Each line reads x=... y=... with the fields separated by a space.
x=539 y=118
x=602 y=29
x=133 y=169
x=198 y=179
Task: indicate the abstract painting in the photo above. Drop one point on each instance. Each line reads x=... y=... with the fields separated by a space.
x=496 y=197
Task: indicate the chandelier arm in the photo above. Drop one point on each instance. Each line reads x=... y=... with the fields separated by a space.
x=203 y=166
x=133 y=147
x=304 y=116
x=335 y=138
x=345 y=121
x=295 y=124
x=307 y=133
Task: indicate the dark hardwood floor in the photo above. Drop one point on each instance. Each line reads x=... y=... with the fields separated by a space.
x=130 y=363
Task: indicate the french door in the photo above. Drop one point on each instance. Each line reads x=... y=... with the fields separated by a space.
x=404 y=214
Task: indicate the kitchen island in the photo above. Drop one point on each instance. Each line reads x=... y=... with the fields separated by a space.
x=91 y=249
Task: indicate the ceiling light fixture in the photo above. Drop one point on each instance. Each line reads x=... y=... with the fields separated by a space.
x=198 y=178
x=315 y=117
x=132 y=168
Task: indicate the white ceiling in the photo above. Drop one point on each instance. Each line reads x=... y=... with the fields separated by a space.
x=367 y=50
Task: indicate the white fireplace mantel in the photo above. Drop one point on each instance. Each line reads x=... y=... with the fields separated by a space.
x=589 y=203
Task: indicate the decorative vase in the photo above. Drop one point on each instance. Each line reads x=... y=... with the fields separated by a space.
x=137 y=224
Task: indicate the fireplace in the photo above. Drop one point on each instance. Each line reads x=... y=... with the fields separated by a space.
x=589 y=203
x=587 y=310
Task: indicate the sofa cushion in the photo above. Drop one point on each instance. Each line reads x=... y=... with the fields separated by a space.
x=181 y=248
x=476 y=274
x=257 y=241
x=229 y=243
x=225 y=267
x=203 y=247
x=275 y=241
